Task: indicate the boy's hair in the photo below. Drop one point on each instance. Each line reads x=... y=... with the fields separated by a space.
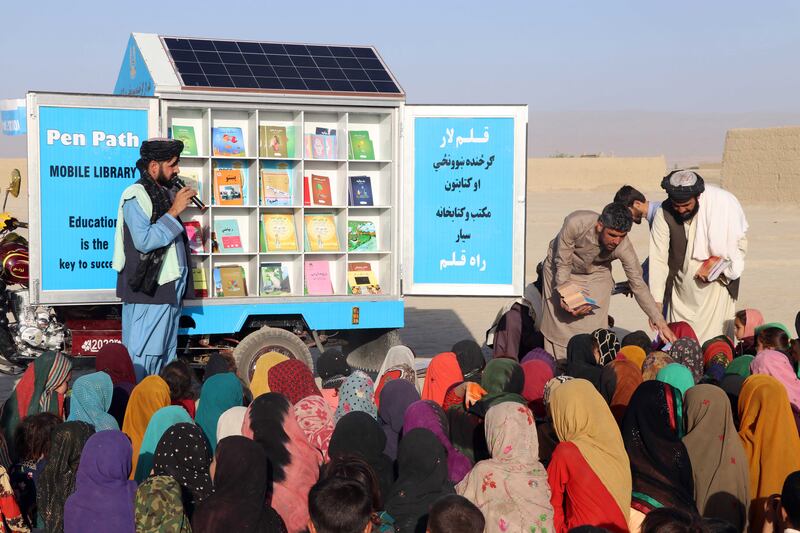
x=790 y=498
x=338 y=505
x=348 y=466
x=626 y=195
x=671 y=520
x=455 y=514
x=178 y=376
x=32 y=436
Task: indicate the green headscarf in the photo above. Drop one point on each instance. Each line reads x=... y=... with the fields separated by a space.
x=160 y=422
x=740 y=366
x=220 y=392
x=778 y=325
x=159 y=508
x=676 y=375
x=503 y=379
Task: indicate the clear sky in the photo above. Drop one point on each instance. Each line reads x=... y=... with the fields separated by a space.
x=623 y=77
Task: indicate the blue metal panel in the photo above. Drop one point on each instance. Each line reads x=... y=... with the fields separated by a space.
x=134 y=77
x=213 y=319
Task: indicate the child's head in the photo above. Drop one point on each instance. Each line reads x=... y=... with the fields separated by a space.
x=338 y=505
x=178 y=376
x=455 y=514
x=739 y=324
x=32 y=436
x=772 y=339
x=671 y=520
x=790 y=501
x=355 y=468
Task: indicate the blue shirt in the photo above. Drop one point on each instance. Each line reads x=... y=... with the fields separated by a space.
x=651 y=211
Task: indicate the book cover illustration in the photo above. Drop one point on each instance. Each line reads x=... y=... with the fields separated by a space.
x=278 y=233
x=229 y=281
x=185 y=134
x=360 y=190
x=229 y=186
x=321 y=146
x=321 y=233
x=274 y=141
x=361 y=147
x=318 y=278
x=276 y=188
x=194 y=234
x=192 y=180
x=321 y=190
x=228 y=236
x=361 y=236
x=275 y=279
x=199 y=282
x=361 y=280
x=227 y=142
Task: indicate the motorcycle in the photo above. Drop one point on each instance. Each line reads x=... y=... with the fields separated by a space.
x=35 y=329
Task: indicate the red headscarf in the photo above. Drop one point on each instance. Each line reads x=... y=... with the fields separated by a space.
x=537 y=374
x=682 y=330
x=114 y=360
x=717 y=347
x=292 y=379
x=442 y=372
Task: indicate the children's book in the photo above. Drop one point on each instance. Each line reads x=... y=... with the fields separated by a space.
x=199 y=282
x=276 y=187
x=361 y=146
x=228 y=236
x=712 y=268
x=194 y=234
x=185 y=134
x=321 y=190
x=306 y=191
x=278 y=233
x=576 y=297
x=321 y=233
x=191 y=177
x=360 y=190
x=361 y=280
x=275 y=279
x=318 y=278
x=273 y=141
x=229 y=186
x=361 y=236
x=321 y=146
x=229 y=281
x=227 y=142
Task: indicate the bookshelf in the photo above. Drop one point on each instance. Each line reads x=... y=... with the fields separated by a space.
x=299 y=127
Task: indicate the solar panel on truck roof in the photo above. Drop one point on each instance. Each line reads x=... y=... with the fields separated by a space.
x=280 y=67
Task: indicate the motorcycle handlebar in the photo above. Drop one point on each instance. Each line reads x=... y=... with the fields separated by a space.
x=21 y=224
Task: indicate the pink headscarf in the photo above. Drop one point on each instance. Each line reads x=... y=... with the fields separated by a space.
x=777 y=365
x=753 y=319
x=315 y=418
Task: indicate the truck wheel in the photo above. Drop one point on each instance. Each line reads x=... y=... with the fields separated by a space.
x=264 y=341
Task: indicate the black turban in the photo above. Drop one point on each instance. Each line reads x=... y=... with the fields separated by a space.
x=158 y=149
x=683 y=185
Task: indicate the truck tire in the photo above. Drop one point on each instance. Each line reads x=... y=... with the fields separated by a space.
x=264 y=341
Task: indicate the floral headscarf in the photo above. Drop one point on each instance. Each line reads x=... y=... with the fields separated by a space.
x=687 y=352
x=315 y=418
x=356 y=394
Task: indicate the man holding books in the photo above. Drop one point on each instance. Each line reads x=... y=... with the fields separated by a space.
x=697 y=249
x=150 y=256
x=577 y=283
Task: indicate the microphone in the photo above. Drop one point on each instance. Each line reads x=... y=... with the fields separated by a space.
x=178 y=183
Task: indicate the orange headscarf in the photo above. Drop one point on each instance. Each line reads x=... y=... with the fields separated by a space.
x=150 y=395
x=770 y=440
x=634 y=354
x=443 y=372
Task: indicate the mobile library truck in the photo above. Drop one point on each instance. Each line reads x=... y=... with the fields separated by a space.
x=327 y=197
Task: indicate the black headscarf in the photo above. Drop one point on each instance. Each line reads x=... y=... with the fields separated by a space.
x=266 y=414
x=183 y=454
x=57 y=481
x=423 y=478
x=640 y=339
x=216 y=365
x=145 y=279
x=609 y=345
x=333 y=368
x=240 y=491
x=581 y=362
x=652 y=430
x=358 y=433
x=470 y=359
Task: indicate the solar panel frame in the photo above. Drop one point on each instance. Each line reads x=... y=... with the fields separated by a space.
x=280 y=67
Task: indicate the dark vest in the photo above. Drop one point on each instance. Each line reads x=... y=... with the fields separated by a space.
x=165 y=294
x=677 y=253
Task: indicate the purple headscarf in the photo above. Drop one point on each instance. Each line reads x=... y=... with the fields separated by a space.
x=540 y=354
x=103 y=498
x=396 y=396
x=427 y=414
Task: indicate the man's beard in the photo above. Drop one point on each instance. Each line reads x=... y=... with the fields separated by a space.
x=163 y=179
x=690 y=215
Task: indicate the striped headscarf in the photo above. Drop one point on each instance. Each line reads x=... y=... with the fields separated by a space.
x=59 y=373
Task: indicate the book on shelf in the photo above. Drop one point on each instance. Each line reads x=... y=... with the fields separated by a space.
x=200 y=283
x=361 y=280
x=278 y=233
x=361 y=236
x=321 y=190
x=306 y=191
x=318 y=278
x=227 y=142
x=228 y=237
x=194 y=234
x=191 y=177
x=276 y=187
x=229 y=281
x=360 y=190
x=361 y=148
x=320 y=233
x=186 y=135
x=230 y=183
x=273 y=141
x=576 y=297
x=275 y=279
x=325 y=131
x=712 y=268
x=321 y=146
